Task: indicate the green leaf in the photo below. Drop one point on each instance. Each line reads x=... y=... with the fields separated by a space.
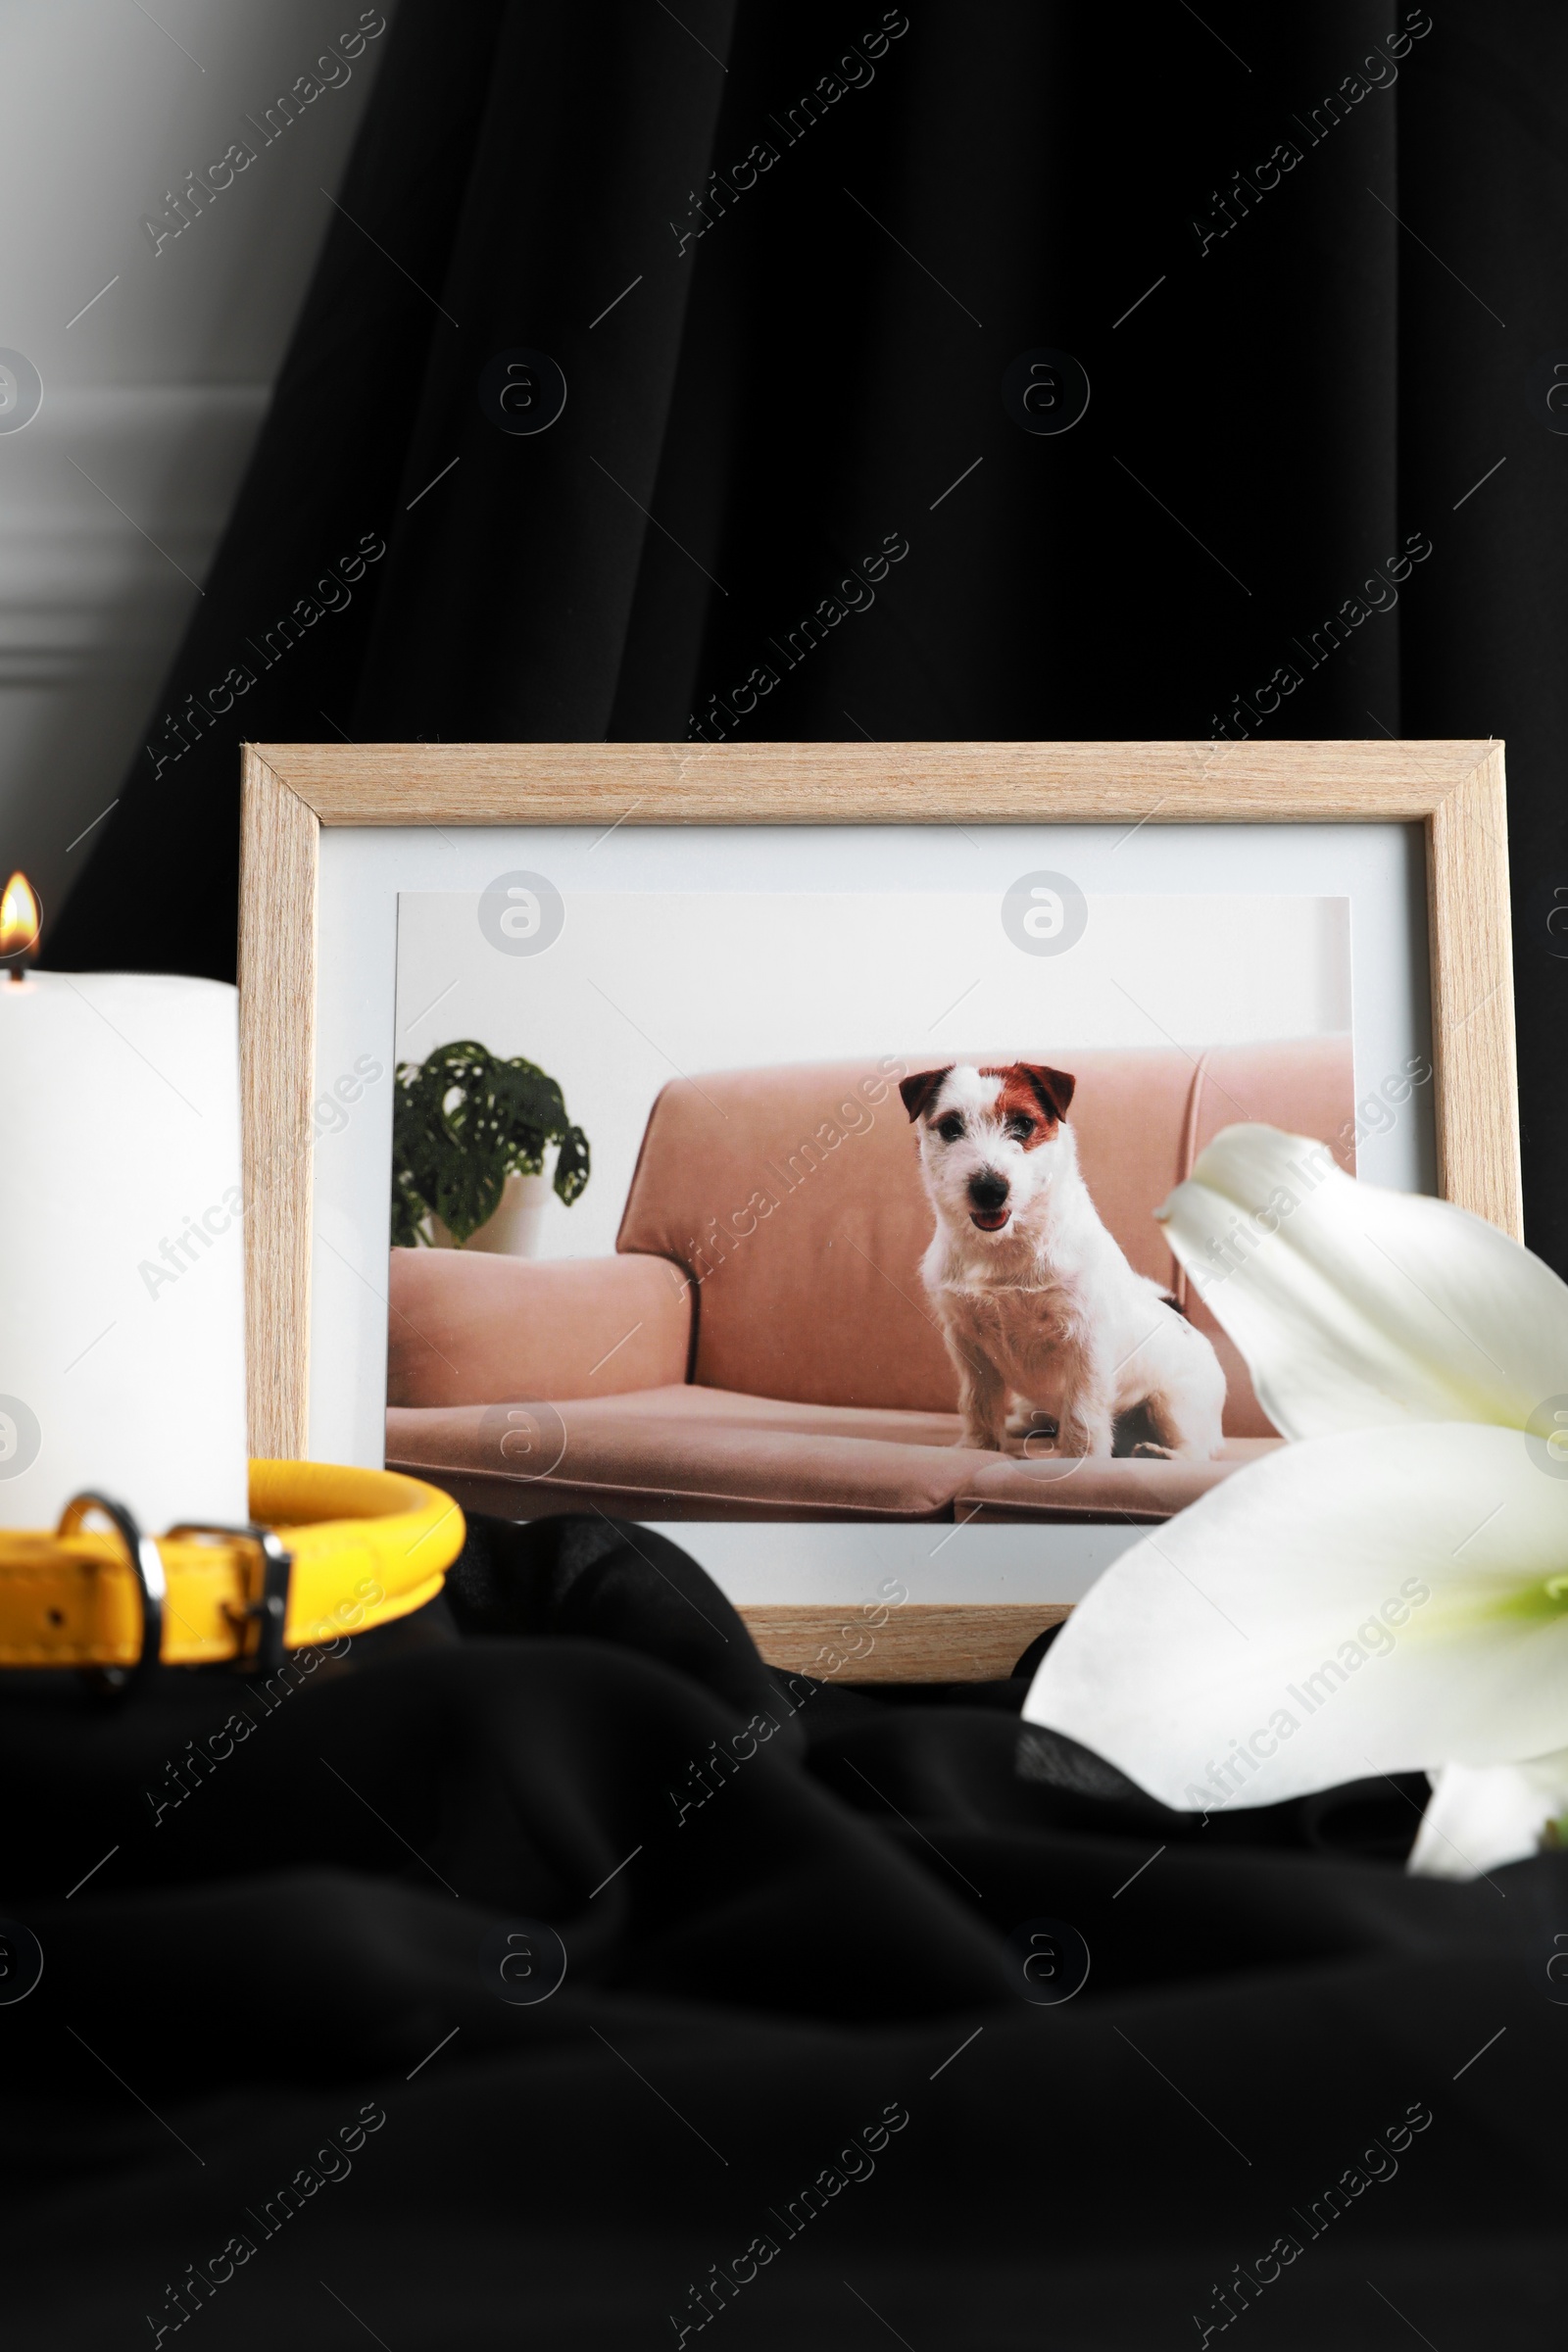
x=571 y=1165
x=463 y=1122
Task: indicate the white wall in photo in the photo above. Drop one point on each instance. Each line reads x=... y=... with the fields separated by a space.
x=643 y=987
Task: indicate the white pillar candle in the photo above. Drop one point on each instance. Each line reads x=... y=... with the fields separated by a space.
x=122 y=1273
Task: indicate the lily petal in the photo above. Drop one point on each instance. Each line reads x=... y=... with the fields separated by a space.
x=1357 y=1307
x=1377 y=1602
x=1481 y=1817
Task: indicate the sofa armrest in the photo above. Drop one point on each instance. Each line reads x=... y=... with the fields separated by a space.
x=467 y=1327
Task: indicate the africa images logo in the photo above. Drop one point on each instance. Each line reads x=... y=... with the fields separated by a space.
x=521 y=914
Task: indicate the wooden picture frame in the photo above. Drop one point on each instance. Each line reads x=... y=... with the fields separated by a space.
x=1454 y=790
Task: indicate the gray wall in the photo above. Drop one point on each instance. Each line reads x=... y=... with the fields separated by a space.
x=113 y=497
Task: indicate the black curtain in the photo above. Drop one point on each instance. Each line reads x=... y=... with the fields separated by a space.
x=1308 y=262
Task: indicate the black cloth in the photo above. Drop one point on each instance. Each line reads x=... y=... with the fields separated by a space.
x=798 y=2085
x=1318 y=301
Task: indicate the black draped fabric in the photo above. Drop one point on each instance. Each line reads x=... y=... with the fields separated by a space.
x=1310 y=261
x=796 y=2084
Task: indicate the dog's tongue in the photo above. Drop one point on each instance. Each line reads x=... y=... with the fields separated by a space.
x=991 y=1224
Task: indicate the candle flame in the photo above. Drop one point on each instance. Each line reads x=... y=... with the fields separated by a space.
x=21 y=918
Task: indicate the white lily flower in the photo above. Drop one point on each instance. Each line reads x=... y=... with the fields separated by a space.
x=1507 y=1810
x=1389 y=1591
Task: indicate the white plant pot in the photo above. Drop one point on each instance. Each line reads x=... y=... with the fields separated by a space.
x=513 y=1230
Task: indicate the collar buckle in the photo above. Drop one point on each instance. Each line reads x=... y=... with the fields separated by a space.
x=268 y=1608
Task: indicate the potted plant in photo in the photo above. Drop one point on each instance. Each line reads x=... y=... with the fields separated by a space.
x=470 y=1134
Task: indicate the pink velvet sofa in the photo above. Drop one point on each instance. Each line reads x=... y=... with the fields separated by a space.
x=759 y=1347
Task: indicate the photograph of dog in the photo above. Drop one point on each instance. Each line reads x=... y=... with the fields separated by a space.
x=773 y=1301
x=1035 y=1298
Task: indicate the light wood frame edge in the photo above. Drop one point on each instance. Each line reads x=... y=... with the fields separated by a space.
x=278 y=866
x=917 y=1642
x=1470 y=936
x=1454 y=789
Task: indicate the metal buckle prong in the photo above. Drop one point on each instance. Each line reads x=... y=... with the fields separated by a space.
x=268 y=1609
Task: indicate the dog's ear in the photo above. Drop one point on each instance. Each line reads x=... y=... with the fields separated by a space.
x=917 y=1092
x=1053 y=1088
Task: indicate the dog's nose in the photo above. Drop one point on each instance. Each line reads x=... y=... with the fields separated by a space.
x=988 y=1192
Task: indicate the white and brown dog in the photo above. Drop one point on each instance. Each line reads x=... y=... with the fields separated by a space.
x=1035 y=1297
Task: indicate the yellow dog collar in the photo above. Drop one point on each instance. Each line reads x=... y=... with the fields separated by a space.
x=333 y=1551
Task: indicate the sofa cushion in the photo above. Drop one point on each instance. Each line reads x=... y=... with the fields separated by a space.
x=732 y=1410
x=690 y=1452
x=466 y=1327
x=667 y=1454
x=792 y=1199
x=1132 y=1488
